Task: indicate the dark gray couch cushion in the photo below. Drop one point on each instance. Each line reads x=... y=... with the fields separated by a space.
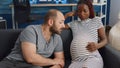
x=110 y=56
x=66 y=36
x=7 y=40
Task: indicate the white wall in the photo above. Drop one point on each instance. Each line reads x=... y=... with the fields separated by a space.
x=114 y=12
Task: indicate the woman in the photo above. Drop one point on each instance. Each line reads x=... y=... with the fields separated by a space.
x=88 y=37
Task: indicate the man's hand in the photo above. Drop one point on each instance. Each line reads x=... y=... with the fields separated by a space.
x=56 y=66
x=59 y=62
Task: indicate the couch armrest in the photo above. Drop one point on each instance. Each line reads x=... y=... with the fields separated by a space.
x=111 y=57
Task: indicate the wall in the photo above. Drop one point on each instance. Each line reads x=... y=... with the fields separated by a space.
x=108 y=11
x=5 y=11
x=114 y=12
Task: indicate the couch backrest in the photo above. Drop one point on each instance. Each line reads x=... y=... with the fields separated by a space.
x=8 y=38
x=67 y=37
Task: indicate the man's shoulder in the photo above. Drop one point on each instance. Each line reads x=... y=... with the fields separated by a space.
x=31 y=28
x=56 y=36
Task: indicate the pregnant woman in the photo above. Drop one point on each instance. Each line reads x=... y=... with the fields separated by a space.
x=88 y=37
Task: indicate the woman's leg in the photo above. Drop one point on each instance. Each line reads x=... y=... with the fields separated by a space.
x=75 y=64
x=93 y=62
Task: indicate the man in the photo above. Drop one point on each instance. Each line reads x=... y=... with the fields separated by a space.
x=36 y=43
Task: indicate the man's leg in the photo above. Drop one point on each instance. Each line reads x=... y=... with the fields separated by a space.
x=5 y=63
x=26 y=65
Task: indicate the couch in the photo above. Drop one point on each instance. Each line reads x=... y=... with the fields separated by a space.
x=8 y=37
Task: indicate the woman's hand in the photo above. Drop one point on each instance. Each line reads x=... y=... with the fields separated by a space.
x=69 y=14
x=92 y=46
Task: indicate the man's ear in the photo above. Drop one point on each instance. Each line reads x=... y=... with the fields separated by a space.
x=50 y=22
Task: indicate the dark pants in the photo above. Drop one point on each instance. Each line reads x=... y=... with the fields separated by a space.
x=6 y=63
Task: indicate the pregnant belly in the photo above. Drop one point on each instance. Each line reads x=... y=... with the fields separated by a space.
x=78 y=46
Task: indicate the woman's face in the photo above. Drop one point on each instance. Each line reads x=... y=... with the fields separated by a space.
x=83 y=11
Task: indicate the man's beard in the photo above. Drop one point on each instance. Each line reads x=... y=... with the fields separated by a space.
x=54 y=30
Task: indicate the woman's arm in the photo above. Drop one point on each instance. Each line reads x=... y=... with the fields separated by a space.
x=69 y=14
x=92 y=46
x=102 y=36
x=67 y=26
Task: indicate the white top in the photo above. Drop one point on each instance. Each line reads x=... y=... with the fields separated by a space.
x=84 y=32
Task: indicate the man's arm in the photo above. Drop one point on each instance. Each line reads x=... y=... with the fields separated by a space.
x=31 y=56
x=59 y=56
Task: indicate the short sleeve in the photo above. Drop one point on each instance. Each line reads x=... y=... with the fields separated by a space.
x=28 y=35
x=70 y=24
x=59 y=46
x=73 y=24
x=99 y=22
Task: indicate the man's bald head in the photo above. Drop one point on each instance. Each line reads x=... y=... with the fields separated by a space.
x=52 y=14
